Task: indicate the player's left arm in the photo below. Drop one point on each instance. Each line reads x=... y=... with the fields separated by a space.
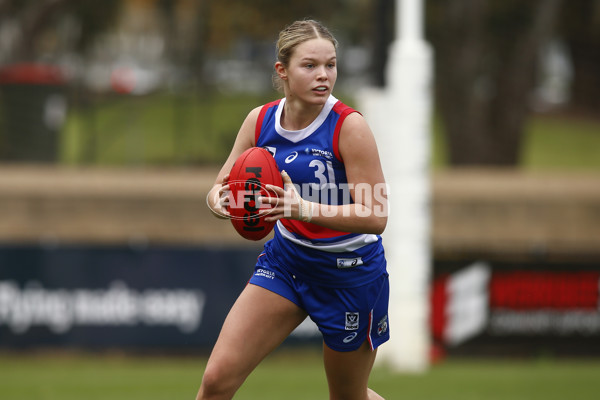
x=368 y=212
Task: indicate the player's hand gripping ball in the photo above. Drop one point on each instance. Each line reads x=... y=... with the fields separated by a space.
x=252 y=172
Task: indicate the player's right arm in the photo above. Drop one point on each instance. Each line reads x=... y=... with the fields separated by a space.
x=244 y=140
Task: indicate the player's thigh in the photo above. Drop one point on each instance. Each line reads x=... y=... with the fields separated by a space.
x=256 y=324
x=348 y=372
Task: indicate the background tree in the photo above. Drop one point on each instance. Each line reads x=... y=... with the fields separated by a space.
x=485 y=63
x=382 y=33
x=580 y=28
x=44 y=27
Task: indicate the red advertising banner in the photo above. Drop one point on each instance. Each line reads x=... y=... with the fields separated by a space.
x=485 y=307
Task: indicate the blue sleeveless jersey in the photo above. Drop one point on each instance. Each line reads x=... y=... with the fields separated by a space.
x=312 y=160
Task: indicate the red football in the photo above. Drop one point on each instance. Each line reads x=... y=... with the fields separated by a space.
x=253 y=170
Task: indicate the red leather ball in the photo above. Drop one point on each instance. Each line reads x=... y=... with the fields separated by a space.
x=253 y=170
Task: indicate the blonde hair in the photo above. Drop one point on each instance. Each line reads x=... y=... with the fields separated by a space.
x=295 y=34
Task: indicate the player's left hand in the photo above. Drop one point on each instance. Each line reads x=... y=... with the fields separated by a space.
x=287 y=202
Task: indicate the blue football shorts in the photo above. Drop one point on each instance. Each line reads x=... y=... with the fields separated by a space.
x=346 y=317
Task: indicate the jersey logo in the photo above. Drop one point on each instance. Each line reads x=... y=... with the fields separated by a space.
x=319 y=153
x=291 y=157
x=271 y=150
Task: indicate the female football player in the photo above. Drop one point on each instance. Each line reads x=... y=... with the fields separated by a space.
x=326 y=259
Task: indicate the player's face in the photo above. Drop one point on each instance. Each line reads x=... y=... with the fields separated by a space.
x=312 y=71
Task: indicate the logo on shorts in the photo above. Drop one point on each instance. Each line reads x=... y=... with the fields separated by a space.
x=349 y=262
x=382 y=326
x=264 y=273
x=350 y=337
x=351 y=321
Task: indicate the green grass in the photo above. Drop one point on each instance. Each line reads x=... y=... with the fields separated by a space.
x=168 y=129
x=288 y=375
x=67 y=377
x=160 y=129
x=554 y=142
x=494 y=379
x=550 y=142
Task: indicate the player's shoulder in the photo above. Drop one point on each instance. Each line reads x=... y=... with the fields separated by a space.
x=354 y=121
x=253 y=114
x=259 y=112
x=343 y=110
x=355 y=136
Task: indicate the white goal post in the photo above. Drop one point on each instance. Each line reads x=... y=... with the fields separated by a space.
x=400 y=116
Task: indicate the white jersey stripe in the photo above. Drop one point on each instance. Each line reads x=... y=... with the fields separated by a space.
x=296 y=136
x=341 y=246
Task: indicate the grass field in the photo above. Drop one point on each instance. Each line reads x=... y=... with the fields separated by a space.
x=165 y=129
x=288 y=375
x=567 y=143
x=159 y=129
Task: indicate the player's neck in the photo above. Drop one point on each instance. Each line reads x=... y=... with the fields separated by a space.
x=297 y=115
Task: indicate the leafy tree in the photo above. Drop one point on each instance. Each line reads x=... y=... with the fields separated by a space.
x=485 y=63
x=580 y=28
x=35 y=19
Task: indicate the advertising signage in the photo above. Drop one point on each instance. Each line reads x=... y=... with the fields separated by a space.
x=508 y=308
x=103 y=297
x=169 y=298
